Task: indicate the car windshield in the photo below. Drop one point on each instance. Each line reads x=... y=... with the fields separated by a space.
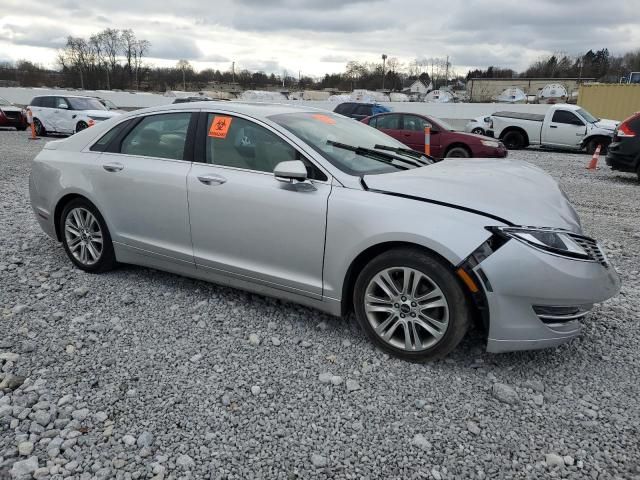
x=333 y=136
x=587 y=116
x=80 y=103
x=4 y=102
x=109 y=104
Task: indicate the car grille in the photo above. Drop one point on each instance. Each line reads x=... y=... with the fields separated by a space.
x=592 y=248
x=554 y=315
x=12 y=115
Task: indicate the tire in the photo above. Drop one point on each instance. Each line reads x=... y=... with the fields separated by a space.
x=81 y=126
x=478 y=131
x=457 y=152
x=83 y=248
x=593 y=144
x=394 y=314
x=513 y=140
x=40 y=130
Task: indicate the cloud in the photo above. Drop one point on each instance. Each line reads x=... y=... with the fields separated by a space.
x=34 y=36
x=213 y=57
x=173 y=48
x=334 y=58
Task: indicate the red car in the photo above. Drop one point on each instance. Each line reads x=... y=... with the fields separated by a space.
x=12 y=116
x=408 y=128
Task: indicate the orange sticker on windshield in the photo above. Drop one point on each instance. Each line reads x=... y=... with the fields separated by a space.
x=220 y=127
x=324 y=119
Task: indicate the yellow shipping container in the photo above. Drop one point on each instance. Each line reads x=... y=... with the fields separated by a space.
x=614 y=101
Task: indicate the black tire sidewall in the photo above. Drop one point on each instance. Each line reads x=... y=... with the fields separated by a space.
x=107 y=260
x=517 y=140
x=462 y=149
x=39 y=128
x=477 y=131
x=442 y=275
x=79 y=129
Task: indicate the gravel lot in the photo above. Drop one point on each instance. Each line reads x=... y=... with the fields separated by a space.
x=142 y=374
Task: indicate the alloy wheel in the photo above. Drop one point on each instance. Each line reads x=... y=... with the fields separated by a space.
x=406 y=308
x=83 y=236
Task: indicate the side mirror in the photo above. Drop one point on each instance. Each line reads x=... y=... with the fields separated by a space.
x=290 y=171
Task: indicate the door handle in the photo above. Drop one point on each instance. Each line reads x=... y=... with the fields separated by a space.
x=407 y=134
x=553 y=126
x=212 y=179
x=113 y=167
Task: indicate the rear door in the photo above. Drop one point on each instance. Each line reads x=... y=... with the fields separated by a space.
x=245 y=223
x=413 y=132
x=140 y=185
x=565 y=129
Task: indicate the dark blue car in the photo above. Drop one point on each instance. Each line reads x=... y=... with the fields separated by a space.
x=359 y=110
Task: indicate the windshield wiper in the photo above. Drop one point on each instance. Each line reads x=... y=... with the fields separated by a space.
x=375 y=155
x=406 y=151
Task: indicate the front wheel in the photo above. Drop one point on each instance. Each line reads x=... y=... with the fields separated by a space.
x=458 y=152
x=478 y=131
x=411 y=305
x=593 y=144
x=86 y=238
x=39 y=128
x=81 y=126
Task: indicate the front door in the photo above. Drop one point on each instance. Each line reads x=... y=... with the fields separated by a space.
x=413 y=131
x=564 y=130
x=244 y=222
x=140 y=186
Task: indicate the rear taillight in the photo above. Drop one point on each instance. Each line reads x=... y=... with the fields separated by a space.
x=624 y=130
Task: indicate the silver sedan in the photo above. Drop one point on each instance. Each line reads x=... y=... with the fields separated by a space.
x=315 y=208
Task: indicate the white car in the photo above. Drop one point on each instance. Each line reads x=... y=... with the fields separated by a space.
x=478 y=125
x=67 y=114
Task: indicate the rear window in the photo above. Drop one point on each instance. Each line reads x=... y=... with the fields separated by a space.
x=364 y=110
x=344 y=108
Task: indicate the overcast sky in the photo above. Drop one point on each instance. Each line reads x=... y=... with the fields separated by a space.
x=318 y=36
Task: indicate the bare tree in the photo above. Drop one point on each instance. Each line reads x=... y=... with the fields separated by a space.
x=76 y=55
x=97 y=44
x=184 y=65
x=140 y=49
x=112 y=45
x=128 y=40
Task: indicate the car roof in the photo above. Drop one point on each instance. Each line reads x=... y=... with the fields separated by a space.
x=65 y=96
x=257 y=110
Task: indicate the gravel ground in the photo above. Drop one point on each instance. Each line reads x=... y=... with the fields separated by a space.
x=142 y=374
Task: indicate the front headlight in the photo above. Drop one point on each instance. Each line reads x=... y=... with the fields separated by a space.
x=551 y=240
x=490 y=143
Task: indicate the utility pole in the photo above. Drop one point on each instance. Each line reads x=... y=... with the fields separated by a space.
x=233 y=72
x=446 y=75
x=384 y=59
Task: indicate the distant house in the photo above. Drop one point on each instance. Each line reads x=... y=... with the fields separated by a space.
x=418 y=88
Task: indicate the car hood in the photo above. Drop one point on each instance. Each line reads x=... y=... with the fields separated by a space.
x=11 y=108
x=607 y=124
x=512 y=190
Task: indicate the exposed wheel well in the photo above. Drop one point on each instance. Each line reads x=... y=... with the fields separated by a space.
x=60 y=207
x=516 y=129
x=365 y=257
x=603 y=139
x=457 y=145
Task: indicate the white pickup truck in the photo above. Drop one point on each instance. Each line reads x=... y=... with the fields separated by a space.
x=563 y=126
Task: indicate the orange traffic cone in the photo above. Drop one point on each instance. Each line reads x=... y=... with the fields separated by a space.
x=593 y=164
x=33 y=127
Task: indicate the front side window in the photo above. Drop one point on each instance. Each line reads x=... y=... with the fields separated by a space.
x=586 y=115
x=415 y=123
x=161 y=136
x=236 y=142
x=103 y=143
x=81 y=103
x=562 y=116
x=363 y=110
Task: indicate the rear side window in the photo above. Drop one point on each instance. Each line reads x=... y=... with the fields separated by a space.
x=161 y=136
x=363 y=110
x=102 y=144
x=48 y=102
x=344 y=108
x=562 y=116
x=36 y=102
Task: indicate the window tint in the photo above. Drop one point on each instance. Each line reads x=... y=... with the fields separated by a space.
x=390 y=122
x=414 y=123
x=36 y=102
x=562 y=116
x=236 y=142
x=161 y=136
x=344 y=108
x=104 y=141
x=48 y=102
x=363 y=110
x=57 y=101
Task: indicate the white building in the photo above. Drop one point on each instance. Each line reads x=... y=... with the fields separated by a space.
x=418 y=87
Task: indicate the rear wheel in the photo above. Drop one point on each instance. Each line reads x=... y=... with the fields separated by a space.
x=40 y=130
x=81 y=126
x=411 y=305
x=86 y=238
x=513 y=140
x=478 y=131
x=458 y=152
